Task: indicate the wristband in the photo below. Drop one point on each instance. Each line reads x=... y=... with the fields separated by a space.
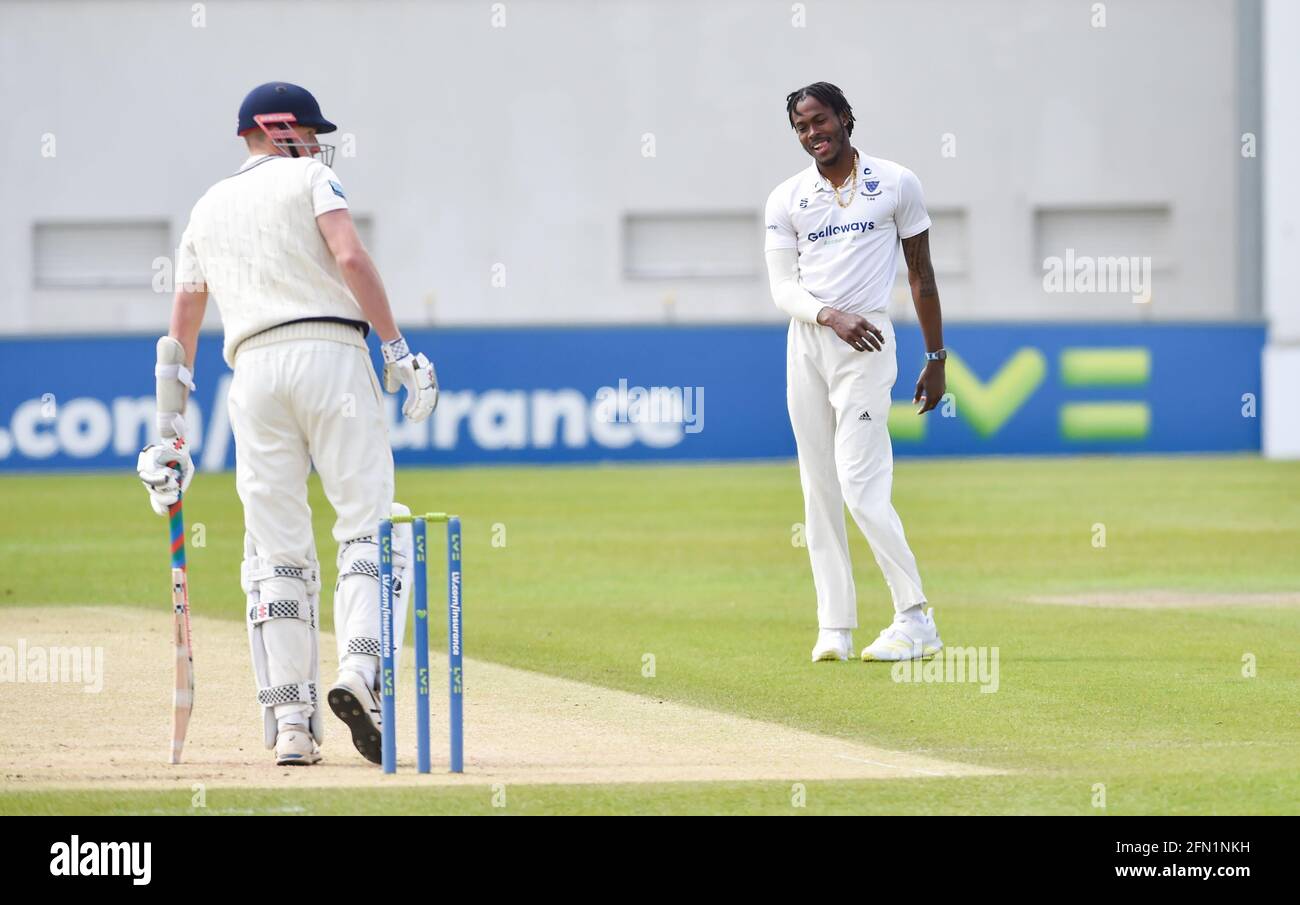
x=395 y=350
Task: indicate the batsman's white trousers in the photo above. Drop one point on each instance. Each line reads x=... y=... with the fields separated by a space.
x=839 y=402
x=298 y=403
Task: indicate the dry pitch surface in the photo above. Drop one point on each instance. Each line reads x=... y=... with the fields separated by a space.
x=521 y=726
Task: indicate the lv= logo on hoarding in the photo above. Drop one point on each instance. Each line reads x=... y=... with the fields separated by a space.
x=988 y=406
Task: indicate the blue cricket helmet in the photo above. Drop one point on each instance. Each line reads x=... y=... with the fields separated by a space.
x=282 y=97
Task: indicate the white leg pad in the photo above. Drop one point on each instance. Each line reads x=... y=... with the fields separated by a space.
x=284 y=637
x=356 y=599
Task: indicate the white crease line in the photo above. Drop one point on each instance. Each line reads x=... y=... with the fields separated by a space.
x=876 y=763
x=242 y=812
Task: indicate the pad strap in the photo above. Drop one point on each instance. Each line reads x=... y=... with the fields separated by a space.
x=171 y=424
x=362 y=567
x=364 y=646
x=175 y=372
x=302 y=693
x=282 y=609
x=260 y=570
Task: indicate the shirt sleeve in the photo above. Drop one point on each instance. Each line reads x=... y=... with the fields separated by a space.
x=783 y=278
x=326 y=190
x=910 y=216
x=188 y=270
x=780 y=228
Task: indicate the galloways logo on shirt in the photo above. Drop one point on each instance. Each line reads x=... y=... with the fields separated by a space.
x=854 y=227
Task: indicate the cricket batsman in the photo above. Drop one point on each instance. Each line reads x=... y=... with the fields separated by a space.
x=275 y=245
x=833 y=233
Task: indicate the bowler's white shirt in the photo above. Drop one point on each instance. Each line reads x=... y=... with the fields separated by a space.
x=848 y=257
x=253 y=240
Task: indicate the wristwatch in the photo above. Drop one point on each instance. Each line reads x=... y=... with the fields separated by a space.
x=936 y=356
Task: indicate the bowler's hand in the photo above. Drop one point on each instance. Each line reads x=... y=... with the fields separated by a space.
x=854 y=329
x=930 y=386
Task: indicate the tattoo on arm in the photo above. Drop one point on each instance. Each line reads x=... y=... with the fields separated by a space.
x=920 y=272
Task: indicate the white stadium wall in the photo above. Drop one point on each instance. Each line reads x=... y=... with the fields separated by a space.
x=1281 y=402
x=608 y=162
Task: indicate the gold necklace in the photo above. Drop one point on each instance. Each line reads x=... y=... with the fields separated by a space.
x=853 y=191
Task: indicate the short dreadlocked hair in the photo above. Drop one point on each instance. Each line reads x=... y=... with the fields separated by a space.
x=829 y=95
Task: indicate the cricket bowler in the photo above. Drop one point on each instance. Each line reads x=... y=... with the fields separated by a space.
x=276 y=247
x=833 y=233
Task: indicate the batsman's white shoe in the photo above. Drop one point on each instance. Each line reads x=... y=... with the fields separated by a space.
x=906 y=639
x=357 y=705
x=294 y=747
x=833 y=644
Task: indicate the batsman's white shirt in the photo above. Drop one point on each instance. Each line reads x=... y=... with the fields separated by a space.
x=313 y=398
x=304 y=395
x=253 y=240
x=839 y=398
x=848 y=256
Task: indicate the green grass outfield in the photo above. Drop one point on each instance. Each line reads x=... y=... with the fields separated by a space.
x=695 y=564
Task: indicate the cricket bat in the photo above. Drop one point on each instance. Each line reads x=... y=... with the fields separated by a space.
x=183 y=694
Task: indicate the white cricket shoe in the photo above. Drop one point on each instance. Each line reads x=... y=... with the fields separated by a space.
x=294 y=747
x=357 y=705
x=833 y=644
x=906 y=639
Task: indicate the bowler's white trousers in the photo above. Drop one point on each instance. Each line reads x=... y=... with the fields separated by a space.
x=295 y=403
x=839 y=401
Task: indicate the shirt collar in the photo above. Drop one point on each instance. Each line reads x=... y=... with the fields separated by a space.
x=253 y=159
x=816 y=181
x=819 y=183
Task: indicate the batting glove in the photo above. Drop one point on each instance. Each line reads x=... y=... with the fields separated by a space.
x=166 y=472
x=415 y=372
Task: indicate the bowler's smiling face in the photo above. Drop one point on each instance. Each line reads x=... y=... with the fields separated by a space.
x=819 y=130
